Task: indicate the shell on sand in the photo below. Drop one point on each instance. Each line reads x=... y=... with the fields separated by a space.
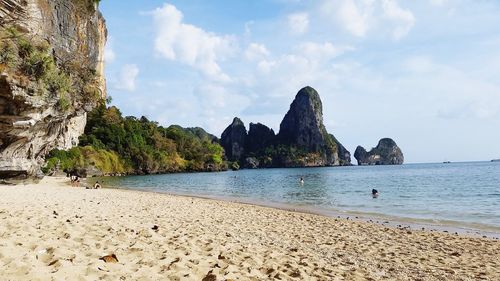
x=110 y=258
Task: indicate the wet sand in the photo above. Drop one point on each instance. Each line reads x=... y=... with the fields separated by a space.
x=54 y=231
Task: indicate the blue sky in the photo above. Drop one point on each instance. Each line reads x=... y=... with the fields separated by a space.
x=425 y=73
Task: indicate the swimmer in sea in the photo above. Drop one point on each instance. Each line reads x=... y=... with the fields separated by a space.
x=374 y=193
x=301 y=180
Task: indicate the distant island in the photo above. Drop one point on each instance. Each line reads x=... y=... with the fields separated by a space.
x=495 y=160
x=302 y=141
x=385 y=153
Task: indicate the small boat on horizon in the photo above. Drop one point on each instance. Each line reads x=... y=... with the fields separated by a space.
x=446 y=162
x=495 y=160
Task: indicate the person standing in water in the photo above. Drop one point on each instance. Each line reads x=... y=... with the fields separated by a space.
x=374 y=193
x=301 y=180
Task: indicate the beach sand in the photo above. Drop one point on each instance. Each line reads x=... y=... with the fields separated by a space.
x=52 y=231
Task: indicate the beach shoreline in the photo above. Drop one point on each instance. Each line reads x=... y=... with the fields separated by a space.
x=53 y=230
x=453 y=227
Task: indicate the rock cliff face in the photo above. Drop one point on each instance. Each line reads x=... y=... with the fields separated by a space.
x=259 y=137
x=303 y=128
x=344 y=154
x=386 y=153
x=233 y=140
x=301 y=142
x=51 y=74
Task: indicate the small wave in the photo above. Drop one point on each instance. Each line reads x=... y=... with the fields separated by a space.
x=350 y=206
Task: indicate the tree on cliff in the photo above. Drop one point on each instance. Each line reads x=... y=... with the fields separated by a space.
x=138 y=146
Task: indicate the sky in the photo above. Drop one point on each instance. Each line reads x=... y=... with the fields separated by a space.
x=425 y=73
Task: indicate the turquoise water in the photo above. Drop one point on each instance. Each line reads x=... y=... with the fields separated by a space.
x=458 y=193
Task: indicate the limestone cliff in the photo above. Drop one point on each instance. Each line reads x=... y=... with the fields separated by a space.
x=344 y=154
x=301 y=142
x=233 y=140
x=303 y=128
x=51 y=74
x=259 y=137
x=385 y=153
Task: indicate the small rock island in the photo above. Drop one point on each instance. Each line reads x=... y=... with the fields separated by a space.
x=385 y=153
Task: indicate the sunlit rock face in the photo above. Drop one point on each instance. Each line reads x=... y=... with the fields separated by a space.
x=35 y=118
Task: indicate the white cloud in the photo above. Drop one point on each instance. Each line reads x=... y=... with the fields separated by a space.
x=189 y=44
x=128 y=76
x=404 y=18
x=278 y=78
x=218 y=103
x=471 y=97
x=325 y=51
x=359 y=17
x=256 y=51
x=419 y=64
x=354 y=16
x=109 y=53
x=298 y=22
x=265 y=66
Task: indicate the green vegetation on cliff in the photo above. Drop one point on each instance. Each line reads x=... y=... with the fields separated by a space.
x=113 y=144
x=104 y=161
x=32 y=63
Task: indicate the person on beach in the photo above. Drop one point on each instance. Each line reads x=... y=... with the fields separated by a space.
x=77 y=181
x=374 y=193
x=97 y=185
x=72 y=179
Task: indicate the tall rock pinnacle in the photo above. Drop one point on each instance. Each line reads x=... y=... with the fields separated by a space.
x=303 y=127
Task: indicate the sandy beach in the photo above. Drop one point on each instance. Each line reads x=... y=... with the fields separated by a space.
x=52 y=231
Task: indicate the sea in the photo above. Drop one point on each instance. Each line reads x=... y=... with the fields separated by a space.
x=458 y=195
